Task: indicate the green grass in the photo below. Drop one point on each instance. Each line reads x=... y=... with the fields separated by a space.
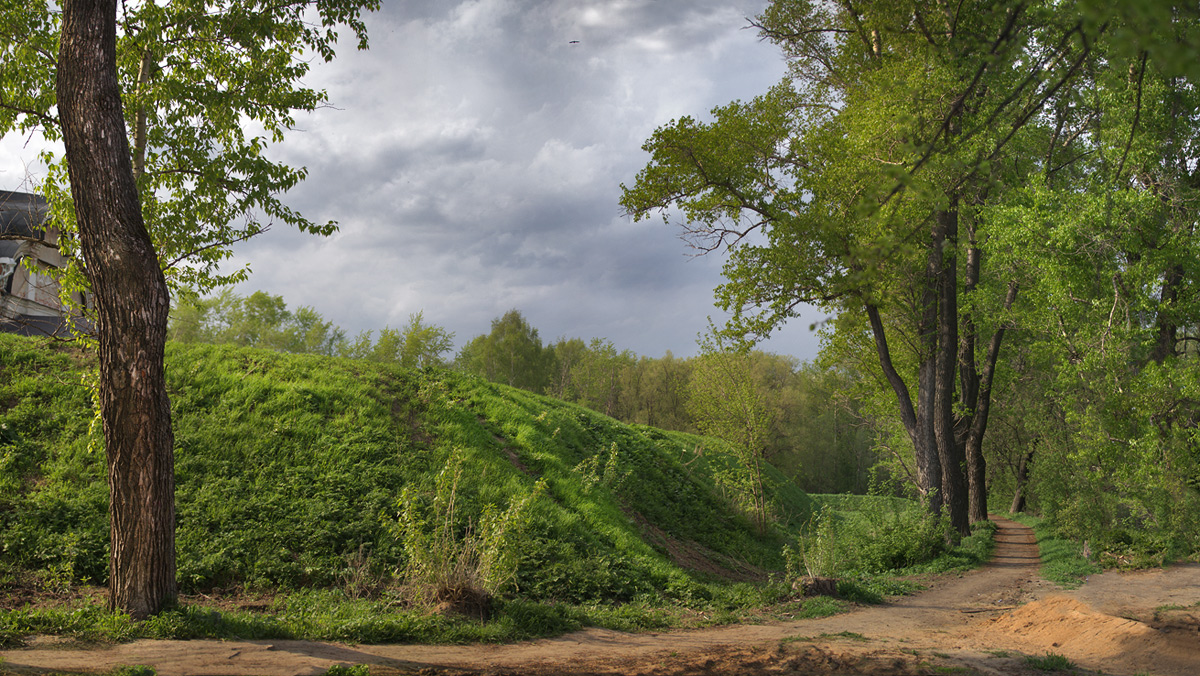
x=851 y=635
x=290 y=471
x=1063 y=562
x=1049 y=662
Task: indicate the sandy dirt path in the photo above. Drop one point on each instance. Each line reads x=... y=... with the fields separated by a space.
x=986 y=622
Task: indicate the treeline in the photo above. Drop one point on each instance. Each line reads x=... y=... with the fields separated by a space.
x=264 y=320
x=814 y=431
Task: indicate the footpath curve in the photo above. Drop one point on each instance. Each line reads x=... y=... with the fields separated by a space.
x=987 y=620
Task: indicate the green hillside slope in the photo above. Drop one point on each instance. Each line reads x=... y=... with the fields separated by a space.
x=291 y=470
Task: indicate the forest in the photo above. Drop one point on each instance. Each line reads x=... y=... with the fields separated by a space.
x=999 y=208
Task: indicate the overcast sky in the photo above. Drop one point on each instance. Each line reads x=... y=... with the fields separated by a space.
x=473 y=158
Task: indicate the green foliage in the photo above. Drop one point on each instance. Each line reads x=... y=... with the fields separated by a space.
x=511 y=354
x=874 y=540
x=264 y=320
x=1056 y=137
x=319 y=615
x=449 y=560
x=1063 y=561
x=289 y=469
x=258 y=320
x=727 y=403
x=206 y=86
x=880 y=535
x=604 y=469
x=1049 y=662
x=58 y=529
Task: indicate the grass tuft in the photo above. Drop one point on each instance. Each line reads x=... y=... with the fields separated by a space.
x=1049 y=662
x=1063 y=562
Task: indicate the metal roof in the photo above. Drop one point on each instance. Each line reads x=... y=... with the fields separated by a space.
x=22 y=213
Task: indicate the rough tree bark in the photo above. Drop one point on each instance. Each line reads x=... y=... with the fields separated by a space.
x=131 y=312
x=954 y=479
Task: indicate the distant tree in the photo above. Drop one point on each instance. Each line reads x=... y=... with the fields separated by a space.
x=665 y=394
x=424 y=344
x=417 y=345
x=359 y=348
x=597 y=376
x=308 y=332
x=821 y=439
x=511 y=354
x=564 y=366
x=258 y=320
x=387 y=346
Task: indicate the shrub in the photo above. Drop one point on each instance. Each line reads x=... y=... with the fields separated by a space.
x=455 y=566
x=882 y=536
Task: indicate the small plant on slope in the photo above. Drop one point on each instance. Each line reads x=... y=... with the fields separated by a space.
x=454 y=569
x=1049 y=662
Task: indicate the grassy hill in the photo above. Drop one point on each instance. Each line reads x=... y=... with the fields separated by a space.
x=293 y=472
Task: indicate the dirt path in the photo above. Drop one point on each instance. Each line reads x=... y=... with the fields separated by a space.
x=985 y=621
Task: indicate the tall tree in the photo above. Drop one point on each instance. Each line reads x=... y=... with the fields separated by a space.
x=850 y=184
x=131 y=312
x=1113 y=215
x=184 y=80
x=511 y=353
x=206 y=86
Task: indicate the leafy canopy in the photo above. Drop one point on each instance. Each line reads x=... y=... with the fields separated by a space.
x=206 y=85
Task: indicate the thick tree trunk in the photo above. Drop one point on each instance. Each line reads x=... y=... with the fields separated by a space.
x=131 y=312
x=1166 y=329
x=980 y=408
x=976 y=396
x=931 y=468
x=950 y=451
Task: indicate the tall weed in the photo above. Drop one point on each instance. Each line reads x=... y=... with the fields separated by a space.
x=461 y=565
x=882 y=536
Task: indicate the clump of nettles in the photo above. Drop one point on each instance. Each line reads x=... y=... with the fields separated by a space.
x=877 y=538
x=455 y=568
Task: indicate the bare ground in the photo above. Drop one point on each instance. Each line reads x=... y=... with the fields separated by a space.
x=984 y=622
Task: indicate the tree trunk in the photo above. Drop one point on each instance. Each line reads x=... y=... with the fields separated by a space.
x=1018 y=501
x=131 y=312
x=950 y=451
x=977 y=386
x=969 y=379
x=917 y=422
x=1166 y=328
x=980 y=409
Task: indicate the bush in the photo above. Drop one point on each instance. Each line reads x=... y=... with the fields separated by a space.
x=461 y=566
x=882 y=536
